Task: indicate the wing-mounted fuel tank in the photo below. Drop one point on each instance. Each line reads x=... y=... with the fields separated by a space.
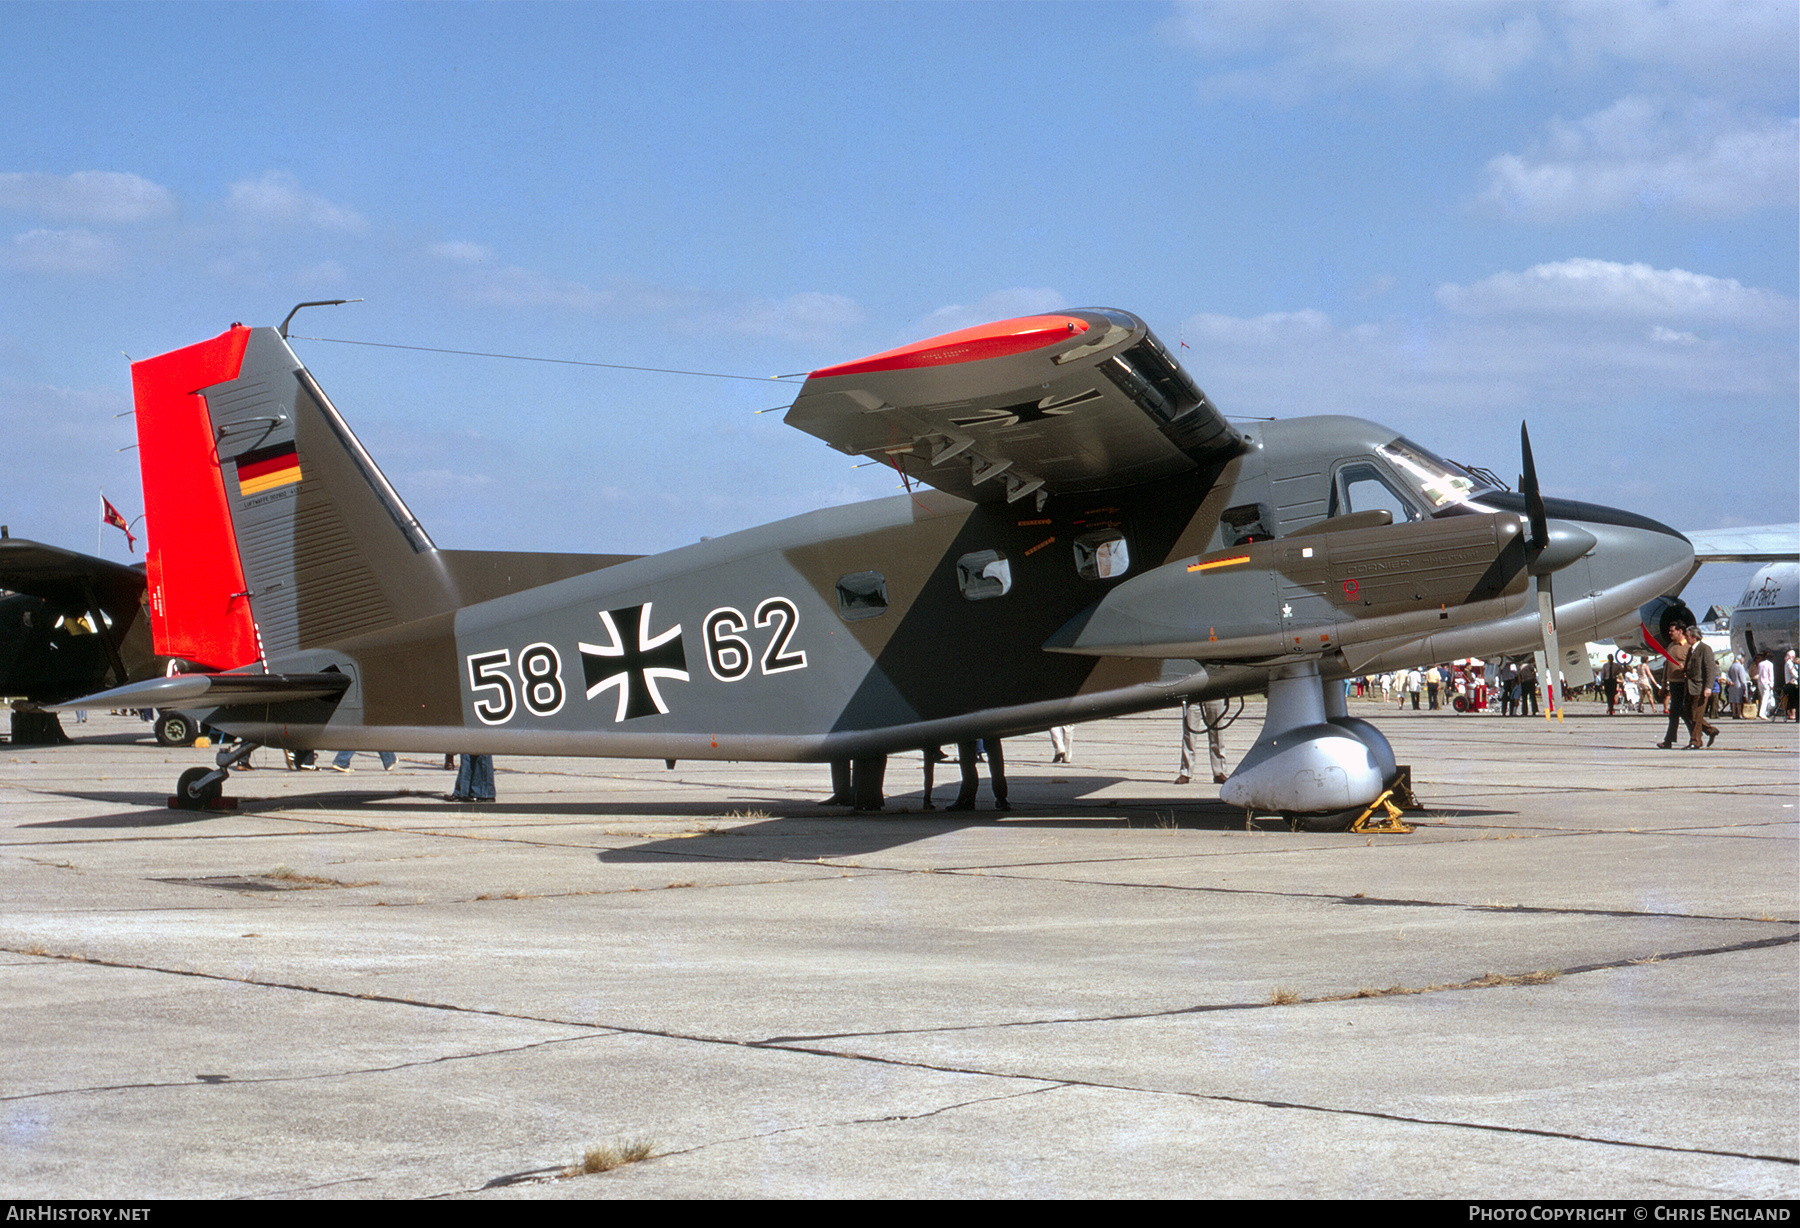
x=1348 y=581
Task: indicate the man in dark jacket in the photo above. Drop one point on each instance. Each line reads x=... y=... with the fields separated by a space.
x=1702 y=674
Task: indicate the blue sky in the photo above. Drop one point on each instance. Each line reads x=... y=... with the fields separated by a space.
x=1445 y=217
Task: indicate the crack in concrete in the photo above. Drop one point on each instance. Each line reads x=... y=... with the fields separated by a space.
x=1329 y=897
x=791 y=1045
x=546 y=1175
x=1509 y=980
x=1375 y=1114
x=351 y=1072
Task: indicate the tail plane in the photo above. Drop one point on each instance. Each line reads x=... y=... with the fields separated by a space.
x=272 y=531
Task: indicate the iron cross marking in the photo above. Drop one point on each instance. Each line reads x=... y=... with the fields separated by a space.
x=1026 y=412
x=633 y=661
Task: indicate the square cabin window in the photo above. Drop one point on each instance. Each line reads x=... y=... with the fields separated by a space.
x=862 y=594
x=984 y=574
x=1102 y=555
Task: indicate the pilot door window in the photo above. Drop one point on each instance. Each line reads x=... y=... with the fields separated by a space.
x=1362 y=487
x=1102 y=555
x=984 y=574
x=862 y=594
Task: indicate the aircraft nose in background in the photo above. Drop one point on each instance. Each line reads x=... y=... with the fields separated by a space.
x=1634 y=560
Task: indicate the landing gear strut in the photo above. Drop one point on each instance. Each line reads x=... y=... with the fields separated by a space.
x=200 y=788
x=1313 y=763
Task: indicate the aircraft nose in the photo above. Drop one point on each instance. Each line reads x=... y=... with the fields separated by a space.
x=1634 y=560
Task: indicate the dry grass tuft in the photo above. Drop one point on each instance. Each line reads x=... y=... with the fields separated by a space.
x=287 y=874
x=1283 y=997
x=608 y=1156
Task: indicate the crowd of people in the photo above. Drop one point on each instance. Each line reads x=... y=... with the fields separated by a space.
x=1763 y=689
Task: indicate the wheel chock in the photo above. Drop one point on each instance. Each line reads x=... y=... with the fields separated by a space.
x=1387 y=824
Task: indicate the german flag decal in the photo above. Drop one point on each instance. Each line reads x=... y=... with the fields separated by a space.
x=267 y=468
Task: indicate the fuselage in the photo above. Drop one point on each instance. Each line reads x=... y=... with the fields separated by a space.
x=915 y=620
x=1768 y=614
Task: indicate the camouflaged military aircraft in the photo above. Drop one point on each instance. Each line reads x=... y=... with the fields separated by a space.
x=69 y=623
x=1083 y=513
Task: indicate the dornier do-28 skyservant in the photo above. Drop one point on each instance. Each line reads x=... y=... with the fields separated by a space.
x=1084 y=515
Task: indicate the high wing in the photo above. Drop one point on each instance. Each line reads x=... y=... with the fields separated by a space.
x=67 y=580
x=50 y=653
x=1071 y=401
x=1764 y=543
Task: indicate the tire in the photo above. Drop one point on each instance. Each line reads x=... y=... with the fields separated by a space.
x=174 y=729
x=1330 y=821
x=1460 y=703
x=185 y=801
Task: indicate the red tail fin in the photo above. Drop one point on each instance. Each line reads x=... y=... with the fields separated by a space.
x=198 y=608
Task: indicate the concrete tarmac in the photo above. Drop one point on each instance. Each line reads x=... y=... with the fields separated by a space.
x=1576 y=979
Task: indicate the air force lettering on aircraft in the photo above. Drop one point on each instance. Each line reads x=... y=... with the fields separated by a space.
x=1084 y=514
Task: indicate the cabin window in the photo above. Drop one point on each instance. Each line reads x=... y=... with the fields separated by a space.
x=1102 y=555
x=1361 y=487
x=862 y=594
x=984 y=574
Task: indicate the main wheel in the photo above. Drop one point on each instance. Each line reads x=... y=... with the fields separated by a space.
x=1338 y=820
x=187 y=801
x=1460 y=703
x=174 y=729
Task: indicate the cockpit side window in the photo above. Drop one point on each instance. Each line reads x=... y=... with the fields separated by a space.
x=1441 y=482
x=1362 y=486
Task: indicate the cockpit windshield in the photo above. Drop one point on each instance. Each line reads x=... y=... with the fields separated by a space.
x=1442 y=482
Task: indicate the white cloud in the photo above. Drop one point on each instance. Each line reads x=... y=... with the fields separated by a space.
x=1602 y=289
x=1584 y=358
x=462 y=252
x=476 y=276
x=1293 y=51
x=276 y=198
x=326 y=275
x=444 y=481
x=1277 y=328
x=1288 y=52
x=1642 y=153
x=95 y=197
x=67 y=251
x=804 y=317
x=1000 y=305
x=1743 y=48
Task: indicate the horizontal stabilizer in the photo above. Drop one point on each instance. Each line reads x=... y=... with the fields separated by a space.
x=214 y=691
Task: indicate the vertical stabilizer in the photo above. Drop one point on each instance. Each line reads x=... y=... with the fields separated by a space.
x=263 y=505
x=195 y=579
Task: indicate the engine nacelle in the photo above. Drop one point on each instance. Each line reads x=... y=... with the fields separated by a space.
x=1346 y=581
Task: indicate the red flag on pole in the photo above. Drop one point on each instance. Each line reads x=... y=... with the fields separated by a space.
x=117 y=521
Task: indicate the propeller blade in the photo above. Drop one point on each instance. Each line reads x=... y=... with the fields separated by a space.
x=1540 y=540
x=1534 y=498
x=1552 y=680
